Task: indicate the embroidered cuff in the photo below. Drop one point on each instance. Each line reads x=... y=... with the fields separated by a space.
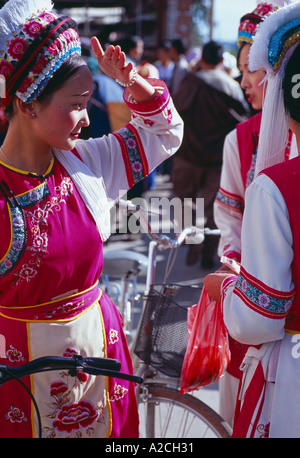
x=261 y=298
x=152 y=107
x=133 y=153
x=229 y=200
x=232 y=254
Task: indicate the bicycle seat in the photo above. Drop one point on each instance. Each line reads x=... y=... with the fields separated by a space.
x=124 y=263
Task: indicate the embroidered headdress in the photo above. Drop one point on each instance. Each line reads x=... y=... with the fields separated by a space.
x=34 y=43
x=272 y=48
x=249 y=22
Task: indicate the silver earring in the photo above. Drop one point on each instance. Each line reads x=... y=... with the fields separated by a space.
x=33 y=115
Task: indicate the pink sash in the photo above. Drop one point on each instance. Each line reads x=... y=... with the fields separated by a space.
x=59 y=309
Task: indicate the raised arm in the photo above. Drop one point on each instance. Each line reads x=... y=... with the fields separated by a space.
x=113 y=63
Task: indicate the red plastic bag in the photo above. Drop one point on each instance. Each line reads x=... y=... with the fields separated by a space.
x=207 y=355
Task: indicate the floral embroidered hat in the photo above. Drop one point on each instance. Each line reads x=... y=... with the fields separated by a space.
x=34 y=42
x=250 y=22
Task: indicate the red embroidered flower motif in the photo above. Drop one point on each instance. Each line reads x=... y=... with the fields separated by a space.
x=169 y=116
x=14 y=355
x=55 y=47
x=66 y=187
x=6 y=68
x=67 y=36
x=40 y=65
x=250 y=27
x=75 y=416
x=113 y=336
x=70 y=35
x=33 y=28
x=17 y=47
x=27 y=272
x=26 y=83
x=149 y=122
x=263 y=9
x=58 y=388
x=48 y=17
x=119 y=393
x=40 y=242
x=15 y=415
x=69 y=352
x=39 y=216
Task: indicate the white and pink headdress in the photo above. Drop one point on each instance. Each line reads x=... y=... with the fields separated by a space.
x=34 y=43
x=273 y=45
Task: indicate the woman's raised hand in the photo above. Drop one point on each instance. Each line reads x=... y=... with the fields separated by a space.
x=113 y=62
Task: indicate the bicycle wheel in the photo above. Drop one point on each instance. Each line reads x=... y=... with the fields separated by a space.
x=164 y=413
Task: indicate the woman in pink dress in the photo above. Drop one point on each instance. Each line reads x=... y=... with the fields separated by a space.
x=56 y=192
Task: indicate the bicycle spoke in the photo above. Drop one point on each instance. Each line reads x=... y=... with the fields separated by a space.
x=174 y=415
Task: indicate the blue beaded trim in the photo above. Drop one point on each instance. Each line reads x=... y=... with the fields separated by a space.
x=279 y=38
x=43 y=83
x=18 y=226
x=245 y=36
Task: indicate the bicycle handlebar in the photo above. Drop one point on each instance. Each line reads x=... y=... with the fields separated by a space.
x=94 y=366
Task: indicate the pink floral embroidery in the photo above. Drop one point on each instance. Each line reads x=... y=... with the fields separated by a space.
x=75 y=416
x=6 y=68
x=26 y=273
x=17 y=47
x=40 y=65
x=113 y=336
x=168 y=115
x=119 y=393
x=57 y=388
x=33 y=28
x=26 y=83
x=48 y=17
x=39 y=222
x=148 y=122
x=15 y=415
x=137 y=166
x=14 y=355
x=66 y=187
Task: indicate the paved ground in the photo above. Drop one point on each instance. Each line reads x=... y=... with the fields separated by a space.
x=180 y=272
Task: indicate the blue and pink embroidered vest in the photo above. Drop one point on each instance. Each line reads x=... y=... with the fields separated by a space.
x=287 y=178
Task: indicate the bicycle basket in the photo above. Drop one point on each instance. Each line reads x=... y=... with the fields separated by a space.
x=162 y=337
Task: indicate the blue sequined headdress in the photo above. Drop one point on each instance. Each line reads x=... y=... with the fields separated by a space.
x=272 y=47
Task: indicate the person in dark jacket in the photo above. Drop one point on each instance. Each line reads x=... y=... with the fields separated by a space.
x=211 y=103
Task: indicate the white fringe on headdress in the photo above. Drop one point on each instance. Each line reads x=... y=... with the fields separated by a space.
x=275 y=121
x=15 y=13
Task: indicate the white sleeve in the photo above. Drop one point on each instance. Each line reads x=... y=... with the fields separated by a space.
x=256 y=304
x=229 y=203
x=125 y=157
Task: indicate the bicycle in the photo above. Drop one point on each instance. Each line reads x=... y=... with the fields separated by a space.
x=74 y=364
x=162 y=409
